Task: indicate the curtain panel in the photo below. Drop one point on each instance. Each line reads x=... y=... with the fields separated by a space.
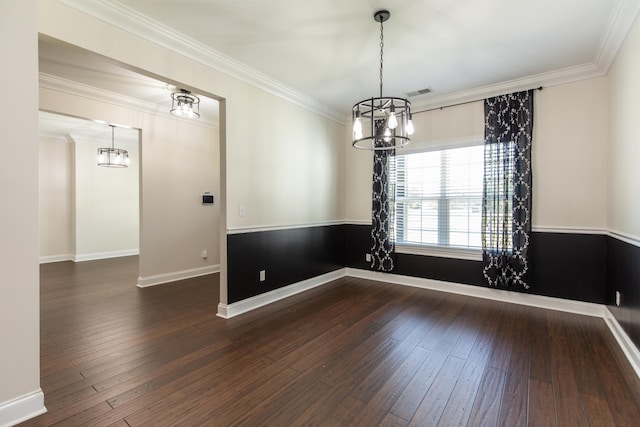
x=383 y=247
x=507 y=196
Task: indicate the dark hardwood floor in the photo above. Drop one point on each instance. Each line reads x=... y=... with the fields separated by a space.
x=353 y=352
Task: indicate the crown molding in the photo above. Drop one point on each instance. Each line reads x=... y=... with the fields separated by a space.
x=618 y=26
x=551 y=78
x=59 y=84
x=129 y=20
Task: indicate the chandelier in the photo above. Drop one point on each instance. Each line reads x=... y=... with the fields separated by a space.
x=382 y=123
x=112 y=157
x=184 y=104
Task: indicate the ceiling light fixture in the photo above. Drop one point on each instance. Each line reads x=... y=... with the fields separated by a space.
x=113 y=157
x=382 y=123
x=184 y=104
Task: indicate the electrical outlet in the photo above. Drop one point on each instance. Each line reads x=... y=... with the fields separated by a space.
x=367 y=257
x=262 y=275
x=618 y=298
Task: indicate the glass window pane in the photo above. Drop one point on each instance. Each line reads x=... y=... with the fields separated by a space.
x=439 y=197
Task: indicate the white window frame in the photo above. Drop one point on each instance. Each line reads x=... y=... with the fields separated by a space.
x=473 y=254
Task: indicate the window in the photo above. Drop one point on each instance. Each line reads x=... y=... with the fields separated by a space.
x=439 y=198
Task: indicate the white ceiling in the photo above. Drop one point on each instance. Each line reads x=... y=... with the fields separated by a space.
x=61 y=128
x=329 y=50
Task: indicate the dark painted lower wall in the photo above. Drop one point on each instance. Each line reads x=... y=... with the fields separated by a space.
x=623 y=275
x=564 y=265
x=580 y=267
x=287 y=256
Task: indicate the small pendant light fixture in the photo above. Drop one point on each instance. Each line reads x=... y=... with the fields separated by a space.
x=113 y=157
x=185 y=105
x=382 y=123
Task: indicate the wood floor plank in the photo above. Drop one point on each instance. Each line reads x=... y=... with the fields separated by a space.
x=458 y=408
x=351 y=352
x=598 y=411
x=515 y=399
x=435 y=400
x=569 y=410
x=540 y=400
x=379 y=405
x=393 y=421
x=540 y=353
x=344 y=414
x=486 y=406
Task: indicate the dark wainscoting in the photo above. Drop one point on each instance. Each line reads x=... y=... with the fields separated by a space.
x=570 y=266
x=565 y=265
x=623 y=275
x=287 y=256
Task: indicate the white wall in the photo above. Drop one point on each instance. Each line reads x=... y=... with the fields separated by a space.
x=19 y=285
x=624 y=138
x=569 y=155
x=55 y=198
x=282 y=162
x=86 y=211
x=106 y=203
x=179 y=162
x=284 y=167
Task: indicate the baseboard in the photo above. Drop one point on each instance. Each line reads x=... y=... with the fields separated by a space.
x=105 y=255
x=558 y=304
x=22 y=409
x=628 y=347
x=550 y=303
x=160 y=279
x=56 y=258
x=227 y=311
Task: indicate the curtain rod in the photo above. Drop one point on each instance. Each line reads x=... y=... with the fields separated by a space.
x=459 y=103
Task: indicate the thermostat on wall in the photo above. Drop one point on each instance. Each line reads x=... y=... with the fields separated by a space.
x=207 y=198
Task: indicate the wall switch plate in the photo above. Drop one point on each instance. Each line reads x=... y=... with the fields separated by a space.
x=241 y=211
x=618 y=298
x=262 y=275
x=367 y=257
x=204 y=254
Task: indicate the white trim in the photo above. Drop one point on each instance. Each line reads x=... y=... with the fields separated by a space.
x=242 y=230
x=618 y=26
x=444 y=144
x=620 y=20
x=558 y=304
x=568 y=230
x=227 y=311
x=159 y=279
x=22 y=408
x=550 y=303
x=358 y=222
x=59 y=84
x=56 y=258
x=441 y=252
x=552 y=78
x=105 y=255
x=131 y=21
x=628 y=347
x=625 y=237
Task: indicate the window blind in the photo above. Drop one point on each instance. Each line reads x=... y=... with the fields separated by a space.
x=439 y=197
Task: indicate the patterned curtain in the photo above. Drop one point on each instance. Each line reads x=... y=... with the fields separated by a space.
x=506 y=202
x=383 y=247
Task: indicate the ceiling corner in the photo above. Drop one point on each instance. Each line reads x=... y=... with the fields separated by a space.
x=618 y=26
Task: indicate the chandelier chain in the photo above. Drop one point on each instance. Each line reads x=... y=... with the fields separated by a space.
x=381 y=54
